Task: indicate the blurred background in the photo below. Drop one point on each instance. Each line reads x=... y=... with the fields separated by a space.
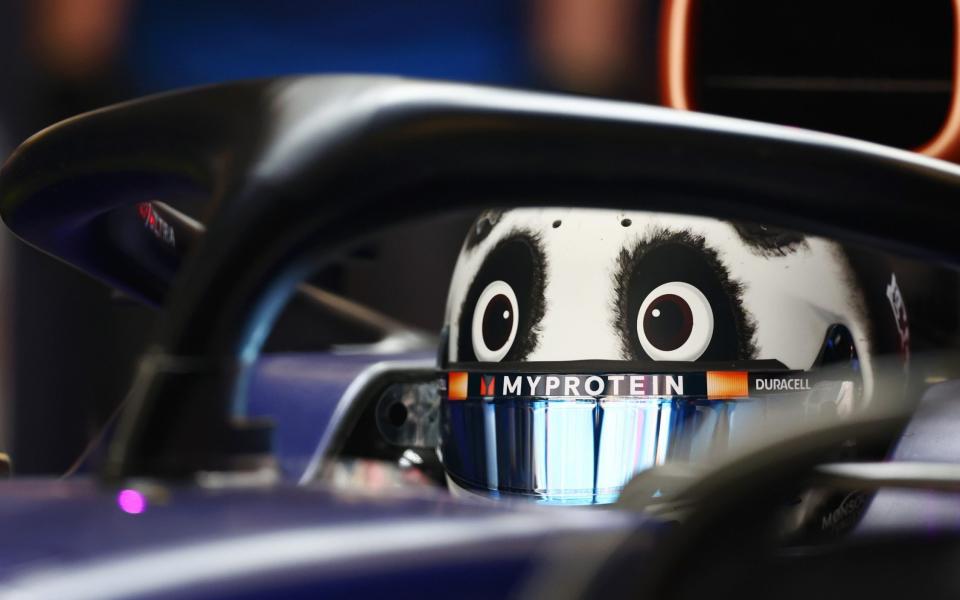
x=68 y=344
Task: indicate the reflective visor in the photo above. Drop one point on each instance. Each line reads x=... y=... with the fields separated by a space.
x=577 y=439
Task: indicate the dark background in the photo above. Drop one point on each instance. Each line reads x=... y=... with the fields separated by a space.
x=69 y=343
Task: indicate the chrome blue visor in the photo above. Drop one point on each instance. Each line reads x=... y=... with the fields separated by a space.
x=579 y=438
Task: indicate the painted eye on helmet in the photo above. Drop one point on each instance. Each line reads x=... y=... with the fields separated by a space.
x=495 y=321
x=675 y=322
x=504 y=303
x=676 y=301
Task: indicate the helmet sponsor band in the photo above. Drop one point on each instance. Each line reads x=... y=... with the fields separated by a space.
x=462 y=385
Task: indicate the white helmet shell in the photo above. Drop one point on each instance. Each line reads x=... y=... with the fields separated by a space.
x=589 y=284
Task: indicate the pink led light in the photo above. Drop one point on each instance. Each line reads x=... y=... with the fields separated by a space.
x=131 y=502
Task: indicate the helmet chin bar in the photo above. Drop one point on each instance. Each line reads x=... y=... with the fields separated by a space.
x=502 y=435
x=583 y=449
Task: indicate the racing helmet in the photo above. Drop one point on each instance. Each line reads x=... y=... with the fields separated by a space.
x=582 y=346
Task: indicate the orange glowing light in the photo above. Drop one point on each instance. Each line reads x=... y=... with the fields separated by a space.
x=675 y=74
x=946 y=144
x=675 y=54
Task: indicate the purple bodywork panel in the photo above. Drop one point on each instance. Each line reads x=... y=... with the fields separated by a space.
x=300 y=393
x=933 y=435
x=73 y=539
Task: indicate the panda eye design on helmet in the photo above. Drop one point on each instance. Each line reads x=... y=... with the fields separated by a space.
x=675 y=322
x=676 y=301
x=494 y=322
x=501 y=313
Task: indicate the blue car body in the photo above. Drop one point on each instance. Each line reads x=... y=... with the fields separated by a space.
x=72 y=538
